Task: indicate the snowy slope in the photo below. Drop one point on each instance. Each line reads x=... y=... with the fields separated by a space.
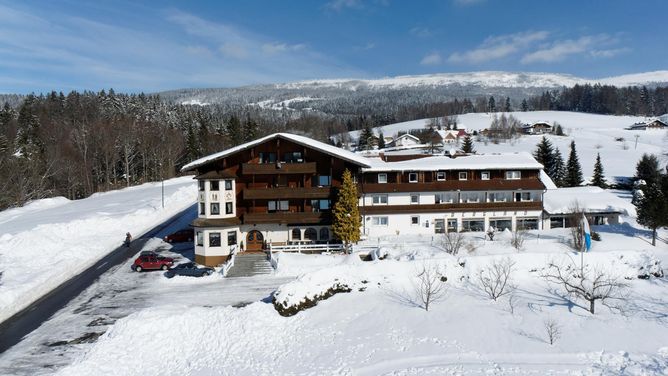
x=592 y=134
x=49 y=241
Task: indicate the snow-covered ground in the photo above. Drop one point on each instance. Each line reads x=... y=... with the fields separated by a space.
x=592 y=134
x=49 y=241
x=379 y=328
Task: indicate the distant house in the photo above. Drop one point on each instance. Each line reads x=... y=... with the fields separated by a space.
x=450 y=136
x=656 y=124
x=637 y=127
x=404 y=140
x=541 y=127
x=648 y=125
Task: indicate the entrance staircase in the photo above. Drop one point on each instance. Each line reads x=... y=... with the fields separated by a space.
x=247 y=264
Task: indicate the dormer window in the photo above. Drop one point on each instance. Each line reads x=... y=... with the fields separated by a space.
x=463 y=175
x=382 y=178
x=440 y=176
x=412 y=177
x=513 y=175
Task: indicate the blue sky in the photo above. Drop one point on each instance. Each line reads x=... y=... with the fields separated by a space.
x=160 y=45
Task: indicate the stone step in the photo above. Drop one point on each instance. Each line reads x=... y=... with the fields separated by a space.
x=250 y=264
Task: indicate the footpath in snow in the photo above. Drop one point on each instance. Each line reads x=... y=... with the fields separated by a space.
x=47 y=242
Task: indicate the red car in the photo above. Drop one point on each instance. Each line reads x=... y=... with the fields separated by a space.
x=185 y=235
x=152 y=262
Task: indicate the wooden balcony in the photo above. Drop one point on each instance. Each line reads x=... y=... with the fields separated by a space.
x=287 y=193
x=446 y=208
x=453 y=185
x=273 y=168
x=288 y=218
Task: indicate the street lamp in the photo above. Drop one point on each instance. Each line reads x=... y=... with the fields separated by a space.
x=162 y=178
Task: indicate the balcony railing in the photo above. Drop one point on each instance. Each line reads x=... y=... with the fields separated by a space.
x=453 y=185
x=277 y=168
x=288 y=218
x=281 y=193
x=437 y=208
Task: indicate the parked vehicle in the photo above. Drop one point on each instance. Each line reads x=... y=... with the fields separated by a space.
x=185 y=235
x=152 y=262
x=189 y=269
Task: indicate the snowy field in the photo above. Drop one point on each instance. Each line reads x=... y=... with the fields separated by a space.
x=379 y=328
x=592 y=134
x=48 y=241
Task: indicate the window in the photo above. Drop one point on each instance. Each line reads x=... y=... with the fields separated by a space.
x=215 y=208
x=200 y=238
x=202 y=185
x=557 y=222
x=202 y=208
x=452 y=225
x=499 y=196
x=296 y=234
x=412 y=177
x=293 y=157
x=522 y=196
x=463 y=175
x=472 y=196
x=214 y=186
x=527 y=223
x=267 y=158
x=439 y=226
x=484 y=175
x=440 y=175
x=501 y=224
x=320 y=205
x=379 y=221
x=443 y=198
x=473 y=224
x=311 y=234
x=323 y=181
x=415 y=198
x=324 y=233
x=228 y=208
x=415 y=220
x=214 y=239
x=513 y=175
x=283 y=205
x=231 y=238
x=228 y=185
x=382 y=178
x=379 y=199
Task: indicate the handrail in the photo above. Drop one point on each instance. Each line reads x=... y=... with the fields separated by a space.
x=230 y=262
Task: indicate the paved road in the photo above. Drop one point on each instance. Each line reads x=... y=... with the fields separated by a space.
x=21 y=324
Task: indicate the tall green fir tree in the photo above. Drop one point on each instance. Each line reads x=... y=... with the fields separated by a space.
x=598 y=179
x=647 y=169
x=347 y=222
x=544 y=154
x=381 y=140
x=573 y=169
x=250 y=130
x=28 y=143
x=506 y=106
x=652 y=207
x=525 y=105
x=467 y=145
x=491 y=105
x=559 y=168
x=193 y=149
x=234 y=131
x=366 y=138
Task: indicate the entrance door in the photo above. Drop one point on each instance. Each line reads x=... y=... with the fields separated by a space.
x=254 y=241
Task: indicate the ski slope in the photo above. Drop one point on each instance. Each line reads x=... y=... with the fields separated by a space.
x=49 y=241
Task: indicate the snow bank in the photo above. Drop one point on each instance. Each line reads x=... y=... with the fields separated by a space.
x=49 y=241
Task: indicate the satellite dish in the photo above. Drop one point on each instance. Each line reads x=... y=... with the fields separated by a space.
x=452 y=152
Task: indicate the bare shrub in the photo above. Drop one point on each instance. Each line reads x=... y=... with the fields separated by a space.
x=517 y=239
x=496 y=278
x=587 y=283
x=430 y=285
x=575 y=214
x=552 y=330
x=452 y=242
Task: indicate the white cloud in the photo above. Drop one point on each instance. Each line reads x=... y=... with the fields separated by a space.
x=433 y=58
x=339 y=5
x=497 y=47
x=585 y=45
x=274 y=48
x=233 y=50
x=421 y=32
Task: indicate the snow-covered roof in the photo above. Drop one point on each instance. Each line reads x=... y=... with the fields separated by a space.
x=301 y=140
x=519 y=161
x=590 y=199
x=407 y=135
x=547 y=180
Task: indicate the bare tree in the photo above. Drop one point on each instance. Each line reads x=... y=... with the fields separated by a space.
x=587 y=283
x=517 y=238
x=430 y=285
x=452 y=242
x=496 y=278
x=575 y=214
x=552 y=330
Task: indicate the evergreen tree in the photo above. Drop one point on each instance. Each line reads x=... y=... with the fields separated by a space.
x=193 y=150
x=467 y=145
x=366 y=137
x=598 y=179
x=525 y=105
x=381 y=140
x=28 y=143
x=647 y=169
x=544 y=154
x=250 y=130
x=559 y=169
x=491 y=104
x=347 y=222
x=6 y=117
x=652 y=207
x=506 y=107
x=234 y=131
x=558 y=130
x=573 y=169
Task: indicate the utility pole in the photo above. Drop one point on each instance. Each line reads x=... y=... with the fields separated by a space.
x=636 y=141
x=162 y=183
